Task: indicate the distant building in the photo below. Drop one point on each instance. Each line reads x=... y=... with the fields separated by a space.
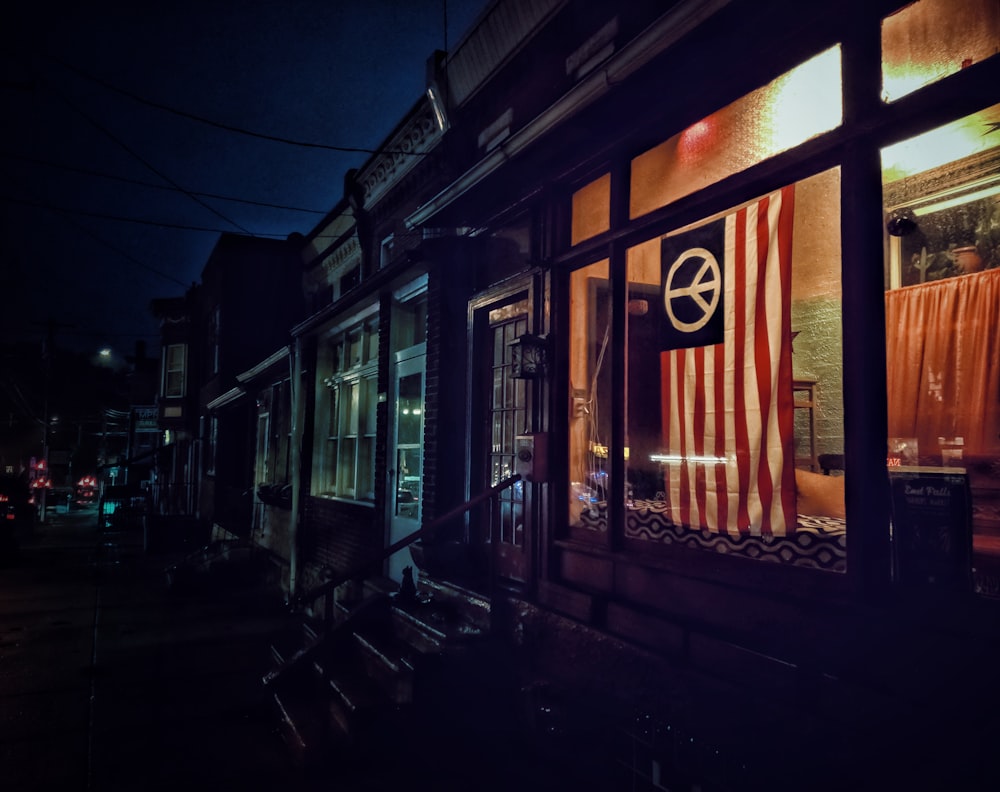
x=243 y=308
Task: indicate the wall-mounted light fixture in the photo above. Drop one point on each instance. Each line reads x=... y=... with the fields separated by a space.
x=528 y=356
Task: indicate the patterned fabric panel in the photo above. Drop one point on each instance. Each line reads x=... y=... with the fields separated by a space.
x=818 y=542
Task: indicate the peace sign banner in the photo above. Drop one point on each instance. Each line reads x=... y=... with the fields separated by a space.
x=692 y=275
x=726 y=372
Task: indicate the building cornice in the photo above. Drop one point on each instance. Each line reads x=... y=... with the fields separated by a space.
x=658 y=37
x=415 y=138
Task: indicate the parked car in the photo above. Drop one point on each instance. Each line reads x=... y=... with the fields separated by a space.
x=17 y=515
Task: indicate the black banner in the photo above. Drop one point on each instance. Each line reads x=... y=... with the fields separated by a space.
x=692 y=268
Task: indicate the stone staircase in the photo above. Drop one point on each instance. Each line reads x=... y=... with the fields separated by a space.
x=390 y=671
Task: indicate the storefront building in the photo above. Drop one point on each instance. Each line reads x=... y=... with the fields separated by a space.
x=757 y=245
x=718 y=279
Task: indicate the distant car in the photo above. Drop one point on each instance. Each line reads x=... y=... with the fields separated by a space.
x=17 y=515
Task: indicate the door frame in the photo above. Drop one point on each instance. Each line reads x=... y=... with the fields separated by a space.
x=529 y=286
x=405 y=363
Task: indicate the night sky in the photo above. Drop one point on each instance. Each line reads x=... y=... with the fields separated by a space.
x=120 y=164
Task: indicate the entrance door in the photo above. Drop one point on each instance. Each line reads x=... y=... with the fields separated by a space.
x=406 y=457
x=504 y=412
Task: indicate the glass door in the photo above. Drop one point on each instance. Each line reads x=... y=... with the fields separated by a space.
x=506 y=413
x=406 y=457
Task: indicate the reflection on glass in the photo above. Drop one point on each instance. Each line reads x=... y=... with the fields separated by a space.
x=409 y=445
x=410 y=324
x=510 y=415
x=408 y=491
x=590 y=393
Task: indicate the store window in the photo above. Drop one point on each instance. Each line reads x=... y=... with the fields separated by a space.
x=347 y=394
x=942 y=273
x=793 y=108
x=733 y=410
x=928 y=40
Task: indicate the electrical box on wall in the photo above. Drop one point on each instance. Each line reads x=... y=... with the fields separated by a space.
x=531 y=454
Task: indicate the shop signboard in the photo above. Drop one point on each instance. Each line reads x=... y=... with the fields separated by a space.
x=145 y=419
x=931 y=526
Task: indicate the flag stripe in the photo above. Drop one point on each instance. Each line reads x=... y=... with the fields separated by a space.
x=727 y=412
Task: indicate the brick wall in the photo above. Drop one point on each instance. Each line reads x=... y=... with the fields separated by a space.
x=338 y=534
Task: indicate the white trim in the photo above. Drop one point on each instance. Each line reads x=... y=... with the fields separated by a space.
x=229 y=397
x=263 y=366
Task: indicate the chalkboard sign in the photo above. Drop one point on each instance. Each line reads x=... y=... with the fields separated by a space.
x=931 y=527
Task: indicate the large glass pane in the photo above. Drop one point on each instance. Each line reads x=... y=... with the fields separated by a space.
x=349 y=408
x=795 y=107
x=942 y=204
x=590 y=394
x=411 y=323
x=347 y=457
x=591 y=209
x=734 y=416
x=369 y=398
x=408 y=492
x=410 y=406
x=931 y=39
x=329 y=484
x=333 y=411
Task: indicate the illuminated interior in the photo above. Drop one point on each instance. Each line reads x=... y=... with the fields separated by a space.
x=809 y=464
x=942 y=205
x=591 y=209
x=799 y=105
x=928 y=40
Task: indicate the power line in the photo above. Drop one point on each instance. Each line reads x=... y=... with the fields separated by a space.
x=227 y=127
x=163 y=176
x=139 y=182
x=100 y=240
x=103 y=216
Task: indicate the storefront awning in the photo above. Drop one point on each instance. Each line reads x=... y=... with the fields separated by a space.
x=231 y=396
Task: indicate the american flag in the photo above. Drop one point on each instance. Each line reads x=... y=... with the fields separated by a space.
x=726 y=371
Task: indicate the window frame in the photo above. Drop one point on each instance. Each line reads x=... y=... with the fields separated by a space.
x=868 y=125
x=347 y=423
x=170 y=367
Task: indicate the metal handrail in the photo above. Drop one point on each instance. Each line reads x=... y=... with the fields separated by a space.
x=326 y=588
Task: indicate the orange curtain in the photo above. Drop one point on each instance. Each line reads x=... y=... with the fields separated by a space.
x=943 y=349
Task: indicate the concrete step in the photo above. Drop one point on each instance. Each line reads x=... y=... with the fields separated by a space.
x=303 y=726
x=357 y=707
x=459 y=604
x=388 y=661
x=433 y=626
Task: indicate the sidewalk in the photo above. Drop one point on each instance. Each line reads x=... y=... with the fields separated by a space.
x=111 y=681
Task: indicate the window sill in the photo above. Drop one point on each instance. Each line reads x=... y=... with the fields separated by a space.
x=341 y=499
x=717 y=568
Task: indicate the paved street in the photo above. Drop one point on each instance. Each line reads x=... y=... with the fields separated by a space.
x=111 y=681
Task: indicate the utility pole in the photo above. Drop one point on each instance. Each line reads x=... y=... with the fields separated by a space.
x=48 y=349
